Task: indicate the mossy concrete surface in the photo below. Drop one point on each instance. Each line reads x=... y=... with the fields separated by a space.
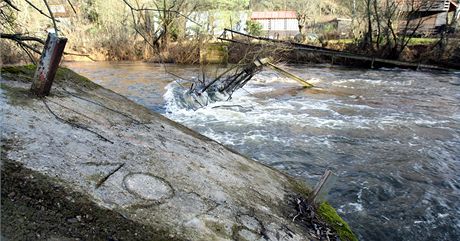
x=329 y=215
x=87 y=163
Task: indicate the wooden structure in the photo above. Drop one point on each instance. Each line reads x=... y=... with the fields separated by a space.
x=431 y=14
x=48 y=65
x=428 y=5
x=323 y=187
x=246 y=39
x=223 y=87
x=277 y=23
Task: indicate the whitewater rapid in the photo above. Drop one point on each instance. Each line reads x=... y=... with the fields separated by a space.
x=392 y=137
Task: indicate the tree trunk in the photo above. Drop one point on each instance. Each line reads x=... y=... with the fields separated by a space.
x=368 y=36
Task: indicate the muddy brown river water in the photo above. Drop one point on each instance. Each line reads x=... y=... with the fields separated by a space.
x=391 y=136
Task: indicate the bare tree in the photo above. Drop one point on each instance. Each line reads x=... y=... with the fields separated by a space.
x=165 y=13
x=309 y=11
x=391 y=24
x=29 y=44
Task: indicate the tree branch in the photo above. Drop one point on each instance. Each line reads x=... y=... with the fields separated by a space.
x=21 y=37
x=52 y=17
x=71 y=5
x=8 y=2
x=39 y=10
x=161 y=10
x=31 y=57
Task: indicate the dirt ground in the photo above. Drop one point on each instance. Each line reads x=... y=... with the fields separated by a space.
x=34 y=207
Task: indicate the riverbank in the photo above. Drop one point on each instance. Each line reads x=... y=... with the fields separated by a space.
x=200 y=53
x=88 y=163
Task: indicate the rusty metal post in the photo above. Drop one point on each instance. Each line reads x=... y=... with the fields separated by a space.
x=48 y=65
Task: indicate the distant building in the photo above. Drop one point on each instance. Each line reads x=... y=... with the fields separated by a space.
x=59 y=8
x=277 y=23
x=342 y=26
x=431 y=14
x=331 y=26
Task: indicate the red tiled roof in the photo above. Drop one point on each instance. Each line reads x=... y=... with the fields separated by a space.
x=274 y=15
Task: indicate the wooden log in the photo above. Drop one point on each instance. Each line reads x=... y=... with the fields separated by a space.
x=323 y=187
x=290 y=75
x=48 y=65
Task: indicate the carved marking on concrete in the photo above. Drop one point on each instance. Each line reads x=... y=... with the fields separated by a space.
x=148 y=186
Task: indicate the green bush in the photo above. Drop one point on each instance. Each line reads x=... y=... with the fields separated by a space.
x=253 y=28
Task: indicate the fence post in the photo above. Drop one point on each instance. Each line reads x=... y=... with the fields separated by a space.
x=48 y=65
x=323 y=186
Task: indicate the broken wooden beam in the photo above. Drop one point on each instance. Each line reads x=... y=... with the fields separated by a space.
x=331 y=52
x=323 y=187
x=48 y=65
x=290 y=75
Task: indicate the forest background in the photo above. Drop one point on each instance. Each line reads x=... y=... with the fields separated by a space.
x=168 y=30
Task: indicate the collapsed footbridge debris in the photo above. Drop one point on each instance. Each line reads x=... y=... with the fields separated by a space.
x=223 y=86
x=335 y=56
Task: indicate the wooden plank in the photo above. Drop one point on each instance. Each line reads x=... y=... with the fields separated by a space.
x=290 y=75
x=323 y=187
x=48 y=65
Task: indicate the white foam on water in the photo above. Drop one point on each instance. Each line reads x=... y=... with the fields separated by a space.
x=351 y=208
x=355 y=206
x=225 y=138
x=349 y=83
x=251 y=111
x=443 y=215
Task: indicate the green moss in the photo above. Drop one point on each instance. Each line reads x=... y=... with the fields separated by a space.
x=23 y=69
x=66 y=75
x=94 y=177
x=326 y=212
x=217 y=47
x=17 y=96
x=243 y=167
x=422 y=41
x=300 y=188
x=329 y=215
x=23 y=73
x=235 y=230
x=218 y=228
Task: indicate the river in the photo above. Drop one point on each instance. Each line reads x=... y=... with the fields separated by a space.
x=391 y=136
